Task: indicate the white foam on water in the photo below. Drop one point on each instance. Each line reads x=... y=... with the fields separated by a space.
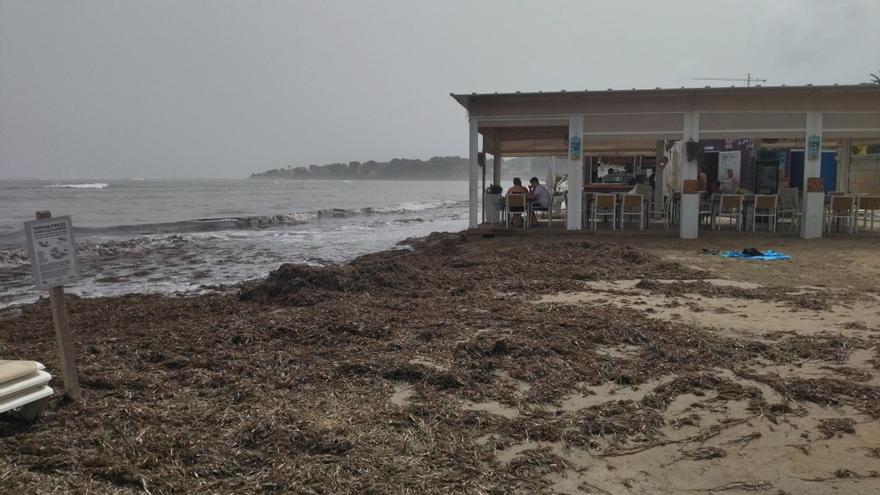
x=92 y=185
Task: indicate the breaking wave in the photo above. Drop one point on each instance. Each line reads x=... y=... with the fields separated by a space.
x=138 y=235
x=93 y=185
x=19 y=256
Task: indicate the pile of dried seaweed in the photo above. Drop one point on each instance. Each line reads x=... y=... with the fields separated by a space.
x=302 y=285
x=352 y=378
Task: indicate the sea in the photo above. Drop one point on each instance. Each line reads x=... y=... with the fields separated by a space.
x=193 y=236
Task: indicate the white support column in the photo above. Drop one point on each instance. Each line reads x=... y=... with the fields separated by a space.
x=473 y=175
x=689 y=225
x=843 y=155
x=574 y=202
x=496 y=160
x=658 y=178
x=814 y=202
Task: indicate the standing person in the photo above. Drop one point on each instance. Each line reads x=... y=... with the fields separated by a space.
x=702 y=181
x=729 y=184
x=642 y=188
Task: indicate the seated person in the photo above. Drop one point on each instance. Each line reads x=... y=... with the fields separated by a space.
x=539 y=195
x=517 y=188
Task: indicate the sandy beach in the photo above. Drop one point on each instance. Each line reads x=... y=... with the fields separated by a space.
x=593 y=364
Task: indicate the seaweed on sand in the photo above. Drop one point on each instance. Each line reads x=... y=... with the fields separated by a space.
x=796 y=298
x=217 y=394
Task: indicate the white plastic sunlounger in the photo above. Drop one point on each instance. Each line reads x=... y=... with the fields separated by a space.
x=23 y=388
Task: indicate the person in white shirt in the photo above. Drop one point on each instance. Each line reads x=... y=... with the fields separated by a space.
x=540 y=197
x=729 y=184
x=642 y=188
x=538 y=194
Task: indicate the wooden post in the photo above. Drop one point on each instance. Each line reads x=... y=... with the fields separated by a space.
x=62 y=334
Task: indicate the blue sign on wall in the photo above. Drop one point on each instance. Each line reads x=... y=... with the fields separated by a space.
x=574 y=148
x=814 y=143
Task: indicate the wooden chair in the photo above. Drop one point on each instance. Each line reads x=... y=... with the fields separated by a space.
x=765 y=207
x=555 y=207
x=604 y=205
x=841 y=208
x=706 y=211
x=868 y=208
x=633 y=206
x=515 y=205
x=790 y=207
x=586 y=209
x=664 y=213
x=730 y=206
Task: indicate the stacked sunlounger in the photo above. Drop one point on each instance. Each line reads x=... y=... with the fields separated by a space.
x=24 y=388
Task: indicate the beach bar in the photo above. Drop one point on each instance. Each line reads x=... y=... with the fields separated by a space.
x=573 y=126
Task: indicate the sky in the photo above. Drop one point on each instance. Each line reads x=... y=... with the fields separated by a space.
x=219 y=88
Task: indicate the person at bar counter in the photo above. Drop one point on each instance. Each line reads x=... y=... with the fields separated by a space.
x=642 y=188
x=517 y=188
x=714 y=189
x=729 y=184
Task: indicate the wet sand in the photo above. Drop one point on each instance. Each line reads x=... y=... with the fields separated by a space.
x=602 y=364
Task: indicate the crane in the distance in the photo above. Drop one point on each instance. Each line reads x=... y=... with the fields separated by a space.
x=748 y=80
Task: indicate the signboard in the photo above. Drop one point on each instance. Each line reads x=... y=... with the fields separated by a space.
x=574 y=148
x=728 y=160
x=814 y=143
x=52 y=252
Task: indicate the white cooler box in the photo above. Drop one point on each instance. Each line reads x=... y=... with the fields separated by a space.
x=23 y=388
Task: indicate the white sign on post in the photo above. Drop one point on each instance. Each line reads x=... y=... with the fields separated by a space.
x=52 y=252
x=728 y=160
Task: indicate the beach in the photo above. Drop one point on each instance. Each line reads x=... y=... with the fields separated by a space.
x=590 y=363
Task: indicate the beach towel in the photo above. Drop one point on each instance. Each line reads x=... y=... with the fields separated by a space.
x=768 y=255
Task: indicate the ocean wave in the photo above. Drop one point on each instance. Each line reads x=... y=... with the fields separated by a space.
x=16 y=257
x=415 y=206
x=92 y=185
x=259 y=222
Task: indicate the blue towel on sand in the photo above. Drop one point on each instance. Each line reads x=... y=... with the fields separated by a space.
x=769 y=255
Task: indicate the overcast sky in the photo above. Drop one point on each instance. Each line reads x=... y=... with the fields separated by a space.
x=215 y=88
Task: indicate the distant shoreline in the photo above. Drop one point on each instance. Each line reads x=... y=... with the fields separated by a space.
x=421 y=179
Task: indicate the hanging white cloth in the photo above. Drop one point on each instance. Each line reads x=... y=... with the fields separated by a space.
x=551 y=174
x=672 y=177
